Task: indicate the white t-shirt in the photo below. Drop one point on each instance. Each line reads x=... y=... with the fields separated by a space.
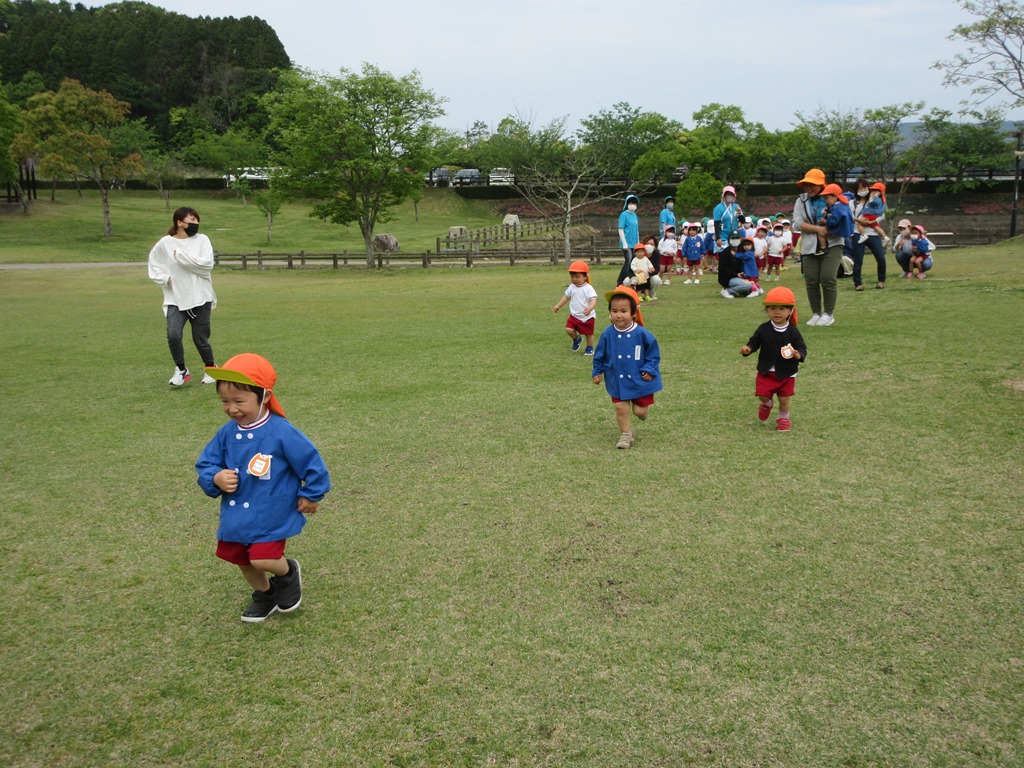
x=182 y=267
x=777 y=244
x=579 y=298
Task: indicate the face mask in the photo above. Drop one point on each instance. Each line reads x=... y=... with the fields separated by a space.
x=649 y=249
x=670 y=236
x=734 y=243
x=915 y=237
x=631 y=207
x=862 y=193
x=778 y=233
x=729 y=199
x=191 y=230
x=670 y=206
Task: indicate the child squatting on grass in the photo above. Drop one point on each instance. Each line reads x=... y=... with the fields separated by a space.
x=268 y=475
x=629 y=359
x=582 y=299
x=782 y=349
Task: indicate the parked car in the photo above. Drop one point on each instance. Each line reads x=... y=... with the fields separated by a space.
x=437 y=178
x=467 y=177
x=248 y=174
x=501 y=177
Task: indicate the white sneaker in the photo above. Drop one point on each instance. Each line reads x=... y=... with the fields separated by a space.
x=826 y=320
x=667 y=282
x=753 y=294
x=815 y=319
x=179 y=377
x=700 y=272
x=687 y=281
x=726 y=294
x=863 y=238
x=697 y=281
x=208 y=379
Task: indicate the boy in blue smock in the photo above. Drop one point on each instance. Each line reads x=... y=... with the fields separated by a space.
x=268 y=476
x=629 y=360
x=838 y=219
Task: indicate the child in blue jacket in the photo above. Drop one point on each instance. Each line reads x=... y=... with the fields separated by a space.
x=629 y=360
x=693 y=252
x=838 y=219
x=268 y=476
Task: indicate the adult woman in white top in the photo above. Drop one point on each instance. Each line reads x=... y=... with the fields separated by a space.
x=181 y=264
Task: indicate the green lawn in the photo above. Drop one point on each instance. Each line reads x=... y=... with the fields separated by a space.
x=70 y=229
x=491 y=583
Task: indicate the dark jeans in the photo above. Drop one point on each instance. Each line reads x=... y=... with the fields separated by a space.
x=199 y=317
x=626 y=271
x=873 y=244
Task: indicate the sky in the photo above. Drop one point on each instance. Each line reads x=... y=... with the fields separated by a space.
x=546 y=59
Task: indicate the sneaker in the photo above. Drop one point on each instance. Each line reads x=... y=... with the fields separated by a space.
x=288 y=589
x=815 y=319
x=700 y=272
x=667 y=282
x=764 y=410
x=625 y=440
x=588 y=352
x=687 y=281
x=576 y=343
x=208 y=379
x=753 y=294
x=908 y=275
x=920 y=275
x=726 y=294
x=697 y=281
x=263 y=604
x=784 y=424
x=653 y=298
x=821 y=251
x=862 y=239
x=826 y=320
x=180 y=377
x=776 y=278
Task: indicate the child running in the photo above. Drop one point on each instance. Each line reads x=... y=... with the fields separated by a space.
x=582 y=300
x=268 y=475
x=782 y=349
x=629 y=360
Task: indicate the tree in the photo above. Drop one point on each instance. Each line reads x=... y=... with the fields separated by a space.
x=356 y=144
x=617 y=139
x=556 y=176
x=721 y=143
x=959 y=151
x=10 y=124
x=883 y=135
x=839 y=138
x=699 y=190
x=992 y=65
x=163 y=172
x=80 y=132
x=269 y=202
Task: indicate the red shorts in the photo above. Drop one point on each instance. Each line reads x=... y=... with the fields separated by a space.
x=641 y=401
x=667 y=261
x=773 y=260
x=760 y=261
x=766 y=386
x=870 y=217
x=693 y=262
x=243 y=554
x=585 y=327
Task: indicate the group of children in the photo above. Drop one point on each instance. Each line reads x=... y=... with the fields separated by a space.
x=628 y=359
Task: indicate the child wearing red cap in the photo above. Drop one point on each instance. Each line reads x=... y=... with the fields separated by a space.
x=782 y=349
x=268 y=476
x=582 y=300
x=629 y=360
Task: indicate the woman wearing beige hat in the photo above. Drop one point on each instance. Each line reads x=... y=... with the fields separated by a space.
x=819 y=270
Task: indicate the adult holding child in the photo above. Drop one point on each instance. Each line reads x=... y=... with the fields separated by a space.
x=871 y=235
x=820 y=267
x=181 y=263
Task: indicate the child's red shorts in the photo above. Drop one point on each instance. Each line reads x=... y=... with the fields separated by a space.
x=243 y=554
x=766 y=386
x=584 y=327
x=641 y=401
x=775 y=260
x=667 y=261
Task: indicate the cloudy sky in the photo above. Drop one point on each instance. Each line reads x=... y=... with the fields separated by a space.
x=544 y=59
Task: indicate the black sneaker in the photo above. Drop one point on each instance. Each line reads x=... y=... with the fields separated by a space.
x=263 y=604
x=288 y=589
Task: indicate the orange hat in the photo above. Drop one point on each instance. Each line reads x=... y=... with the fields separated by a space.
x=833 y=189
x=814 y=176
x=580 y=266
x=781 y=297
x=880 y=187
x=248 y=368
x=625 y=290
x=639 y=246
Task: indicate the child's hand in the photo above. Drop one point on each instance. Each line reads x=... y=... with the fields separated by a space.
x=308 y=507
x=226 y=480
x=745 y=350
x=597 y=379
x=556 y=308
x=646 y=376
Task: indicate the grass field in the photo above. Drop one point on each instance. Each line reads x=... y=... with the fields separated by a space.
x=70 y=229
x=491 y=583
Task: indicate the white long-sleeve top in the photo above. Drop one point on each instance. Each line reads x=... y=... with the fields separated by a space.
x=182 y=268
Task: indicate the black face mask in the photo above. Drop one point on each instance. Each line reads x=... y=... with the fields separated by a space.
x=191 y=230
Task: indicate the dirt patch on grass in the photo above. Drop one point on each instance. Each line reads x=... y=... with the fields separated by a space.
x=1017 y=384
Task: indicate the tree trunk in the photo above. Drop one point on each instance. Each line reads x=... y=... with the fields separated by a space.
x=105 y=197
x=270 y=225
x=368 y=240
x=566 y=239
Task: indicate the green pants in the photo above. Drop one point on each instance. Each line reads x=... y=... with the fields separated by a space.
x=820 y=274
